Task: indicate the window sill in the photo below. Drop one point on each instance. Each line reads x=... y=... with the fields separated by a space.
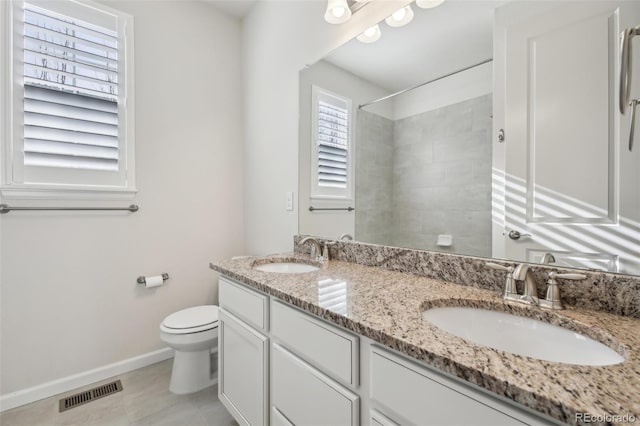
x=65 y=193
x=330 y=198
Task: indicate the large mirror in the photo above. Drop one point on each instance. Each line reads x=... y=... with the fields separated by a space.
x=485 y=128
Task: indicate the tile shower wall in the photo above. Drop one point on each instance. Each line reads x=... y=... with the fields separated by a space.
x=425 y=175
x=442 y=178
x=374 y=178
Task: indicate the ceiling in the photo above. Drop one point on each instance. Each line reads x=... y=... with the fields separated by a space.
x=235 y=8
x=436 y=42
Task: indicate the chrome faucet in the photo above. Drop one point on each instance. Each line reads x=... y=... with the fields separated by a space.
x=345 y=237
x=523 y=273
x=316 y=250
x=519 y=273
x=548 y=258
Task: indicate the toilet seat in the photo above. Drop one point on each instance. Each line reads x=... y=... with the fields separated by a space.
x=191 y=320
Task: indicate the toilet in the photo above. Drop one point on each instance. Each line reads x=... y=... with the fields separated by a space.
x=193 y=333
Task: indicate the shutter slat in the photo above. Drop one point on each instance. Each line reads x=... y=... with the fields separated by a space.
x=68 y=136
x=48 y=160
x=71 y=99
x=72 y=24
x=36 y=45
x=53 y=122
x=332 y=127
x=55 y=63
x=330 y=184
x=66 y=111
x=69 y=149
x=335 y=158
x=82 y=44
x=332 y=170
x=81 y=82
x=333 y=178
x=68 y=88
x=332 y=150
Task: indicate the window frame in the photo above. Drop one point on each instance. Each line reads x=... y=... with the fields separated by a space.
x=12 y=183
x=318 y=192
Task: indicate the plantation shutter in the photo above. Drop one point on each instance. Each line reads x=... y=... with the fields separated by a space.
x=70 y=92
x=333 y=142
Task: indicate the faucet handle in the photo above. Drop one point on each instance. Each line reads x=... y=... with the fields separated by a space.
x=510 y=290
x=574 y=277
x=491 y=265
x=552 y=299
x=325 y=249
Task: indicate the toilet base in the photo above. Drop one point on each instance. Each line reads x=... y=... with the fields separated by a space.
x=192 y=372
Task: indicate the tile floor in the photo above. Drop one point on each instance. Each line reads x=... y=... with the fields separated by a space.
x=144 y=400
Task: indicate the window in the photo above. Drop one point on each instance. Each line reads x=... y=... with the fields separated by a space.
x=71 y=112
x=332 y=155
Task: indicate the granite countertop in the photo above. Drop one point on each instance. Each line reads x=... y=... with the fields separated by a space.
x=386 y=306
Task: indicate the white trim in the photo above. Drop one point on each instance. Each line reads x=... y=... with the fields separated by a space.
x=24 y=192
x=65 y=384
x=97 y=185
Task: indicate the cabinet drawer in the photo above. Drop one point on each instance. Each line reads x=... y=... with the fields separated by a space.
x=411 y=394
x=304 y=396
x=247 y=304
x=333 y=351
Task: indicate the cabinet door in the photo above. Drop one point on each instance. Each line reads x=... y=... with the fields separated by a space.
x=243 y=370
x=304 y=396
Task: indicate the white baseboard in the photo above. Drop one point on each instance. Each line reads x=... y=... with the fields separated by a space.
x=65 y=384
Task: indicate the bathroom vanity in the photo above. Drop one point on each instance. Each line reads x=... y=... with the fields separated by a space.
x=347 y=345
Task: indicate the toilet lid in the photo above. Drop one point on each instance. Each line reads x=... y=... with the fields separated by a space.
x=197 y=316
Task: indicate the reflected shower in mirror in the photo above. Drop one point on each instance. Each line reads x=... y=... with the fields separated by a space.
x=510 y=158
x=424 y=180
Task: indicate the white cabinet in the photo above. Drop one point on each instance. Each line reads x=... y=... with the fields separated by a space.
x=243 y=370
x=411 y=394
x=281 y=366
x=305 y=396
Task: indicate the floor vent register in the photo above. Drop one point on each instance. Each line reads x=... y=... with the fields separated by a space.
x=87 y=396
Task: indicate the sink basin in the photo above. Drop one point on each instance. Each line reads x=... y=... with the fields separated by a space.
x=522 y=336
x=286 y=267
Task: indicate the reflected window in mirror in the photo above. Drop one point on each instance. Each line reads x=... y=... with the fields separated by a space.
x=332 y=136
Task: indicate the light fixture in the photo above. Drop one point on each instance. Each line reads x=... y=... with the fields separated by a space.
x=370 y=35
x=337 y=12
x=428 y=4
x=400 y=17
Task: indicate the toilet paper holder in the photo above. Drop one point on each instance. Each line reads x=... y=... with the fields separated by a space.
x=142 y=280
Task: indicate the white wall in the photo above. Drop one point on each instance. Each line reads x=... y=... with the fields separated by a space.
x=327 y=76
x=460 y=87
x=69 y=298
x=280 y=38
